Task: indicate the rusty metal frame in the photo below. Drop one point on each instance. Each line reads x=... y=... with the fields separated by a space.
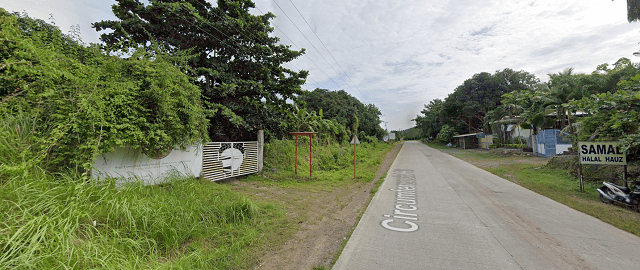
x=310 y=134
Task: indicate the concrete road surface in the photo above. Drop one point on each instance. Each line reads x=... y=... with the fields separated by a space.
x=437 y=212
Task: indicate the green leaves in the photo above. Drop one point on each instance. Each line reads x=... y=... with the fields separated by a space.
x=236 y=64
x=86 y=102
x=345 y=109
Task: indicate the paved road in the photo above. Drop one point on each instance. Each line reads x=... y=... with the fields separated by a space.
x=437 y=212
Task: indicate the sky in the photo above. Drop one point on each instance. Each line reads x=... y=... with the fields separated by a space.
x=400 y=55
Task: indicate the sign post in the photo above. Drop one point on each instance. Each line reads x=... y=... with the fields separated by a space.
x=355 y=142
x=601 y=153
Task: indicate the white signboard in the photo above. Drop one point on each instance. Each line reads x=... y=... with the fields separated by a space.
x=603 y=153
x=126 y=162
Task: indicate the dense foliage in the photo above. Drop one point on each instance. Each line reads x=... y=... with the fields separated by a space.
x=601 y=106
x=346 y=110
x=61 y=103
x=86 y=102
x=237 y=65
x=467 y=108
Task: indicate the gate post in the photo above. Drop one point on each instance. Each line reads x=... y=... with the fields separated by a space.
x=260 y=150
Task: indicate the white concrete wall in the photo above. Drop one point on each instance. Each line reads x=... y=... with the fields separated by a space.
x=520 y=132
x=125 y=162
x=560 y=148
x=541 y=149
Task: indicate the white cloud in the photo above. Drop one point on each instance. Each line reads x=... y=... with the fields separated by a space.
x=402 y=54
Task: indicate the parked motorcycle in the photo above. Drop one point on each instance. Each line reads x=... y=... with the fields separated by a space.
x=610 y=193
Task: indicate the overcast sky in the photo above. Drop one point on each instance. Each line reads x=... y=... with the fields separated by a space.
x=399 y=55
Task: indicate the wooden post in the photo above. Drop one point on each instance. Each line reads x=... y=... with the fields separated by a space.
x=624 y=177
x=580 y=175
x=296 y=162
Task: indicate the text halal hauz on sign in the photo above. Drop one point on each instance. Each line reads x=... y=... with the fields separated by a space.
x=601 y=153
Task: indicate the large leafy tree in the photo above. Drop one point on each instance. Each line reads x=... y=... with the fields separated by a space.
x=345 y=109
x=613 y=116
x=467 y=107
x=237 y=64
x=431 y=120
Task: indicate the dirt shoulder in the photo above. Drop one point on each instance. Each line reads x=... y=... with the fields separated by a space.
x=324 y=220
x=493 y=158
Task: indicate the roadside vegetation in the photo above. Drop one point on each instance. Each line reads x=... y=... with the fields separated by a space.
x=552 y=179
x=63 y=102
x=603 y=105
x=63 y=220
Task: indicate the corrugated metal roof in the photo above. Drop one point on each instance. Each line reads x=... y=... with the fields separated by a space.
x=467 y=135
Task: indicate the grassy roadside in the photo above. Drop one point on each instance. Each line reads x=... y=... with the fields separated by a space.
x=553 y=183
x=303 y=197
x=52 y=221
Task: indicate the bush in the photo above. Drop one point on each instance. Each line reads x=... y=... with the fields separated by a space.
x=87 y=102
x=446 y=134
x=515 y=145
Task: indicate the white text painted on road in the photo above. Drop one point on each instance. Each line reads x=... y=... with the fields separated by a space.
x=406 y=201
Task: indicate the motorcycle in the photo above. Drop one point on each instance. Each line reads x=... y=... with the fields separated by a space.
x=610 y=193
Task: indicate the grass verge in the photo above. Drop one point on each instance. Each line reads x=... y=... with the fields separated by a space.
x=64 y=220
x=556 y=184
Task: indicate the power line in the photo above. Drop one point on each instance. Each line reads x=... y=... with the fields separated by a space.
x=241 y=30
x=325 y=47
x=325 y=59
x=237 y=46
x=305 y=54
x=257 y=37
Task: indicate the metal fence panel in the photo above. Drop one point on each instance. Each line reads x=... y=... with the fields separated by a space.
x=221 y=160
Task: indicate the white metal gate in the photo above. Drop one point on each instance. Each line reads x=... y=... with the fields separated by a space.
x=221 y=160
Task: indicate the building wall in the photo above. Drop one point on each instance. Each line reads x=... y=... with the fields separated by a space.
x=485 y=142
x=129 y=163
x=517 y=131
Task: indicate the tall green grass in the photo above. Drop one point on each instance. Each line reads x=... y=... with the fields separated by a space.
x=49 y=223
x=331 y=162
x=68 y=221
x=65 y=221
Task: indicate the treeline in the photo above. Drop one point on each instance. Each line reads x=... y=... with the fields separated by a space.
x=63 y=102
x=236 y=64
x=603 y=105
x=169 y=74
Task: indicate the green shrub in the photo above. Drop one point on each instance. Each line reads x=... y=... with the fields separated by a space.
x=514 y=145
x=446 y=134
x=87 y=102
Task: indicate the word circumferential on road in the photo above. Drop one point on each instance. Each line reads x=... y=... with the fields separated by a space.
x=403 y=217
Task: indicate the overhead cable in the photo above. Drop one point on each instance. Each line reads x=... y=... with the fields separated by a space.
x=325 y=47
x=325 y=59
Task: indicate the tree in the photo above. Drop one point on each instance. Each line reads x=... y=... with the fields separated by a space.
x=237 y=64
x=86 y=102
x=612 y=116
x=530 y=105
x=446 y=134
x=431 y=123
x=344 y=108
x=469 y=104
x=633 y=10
